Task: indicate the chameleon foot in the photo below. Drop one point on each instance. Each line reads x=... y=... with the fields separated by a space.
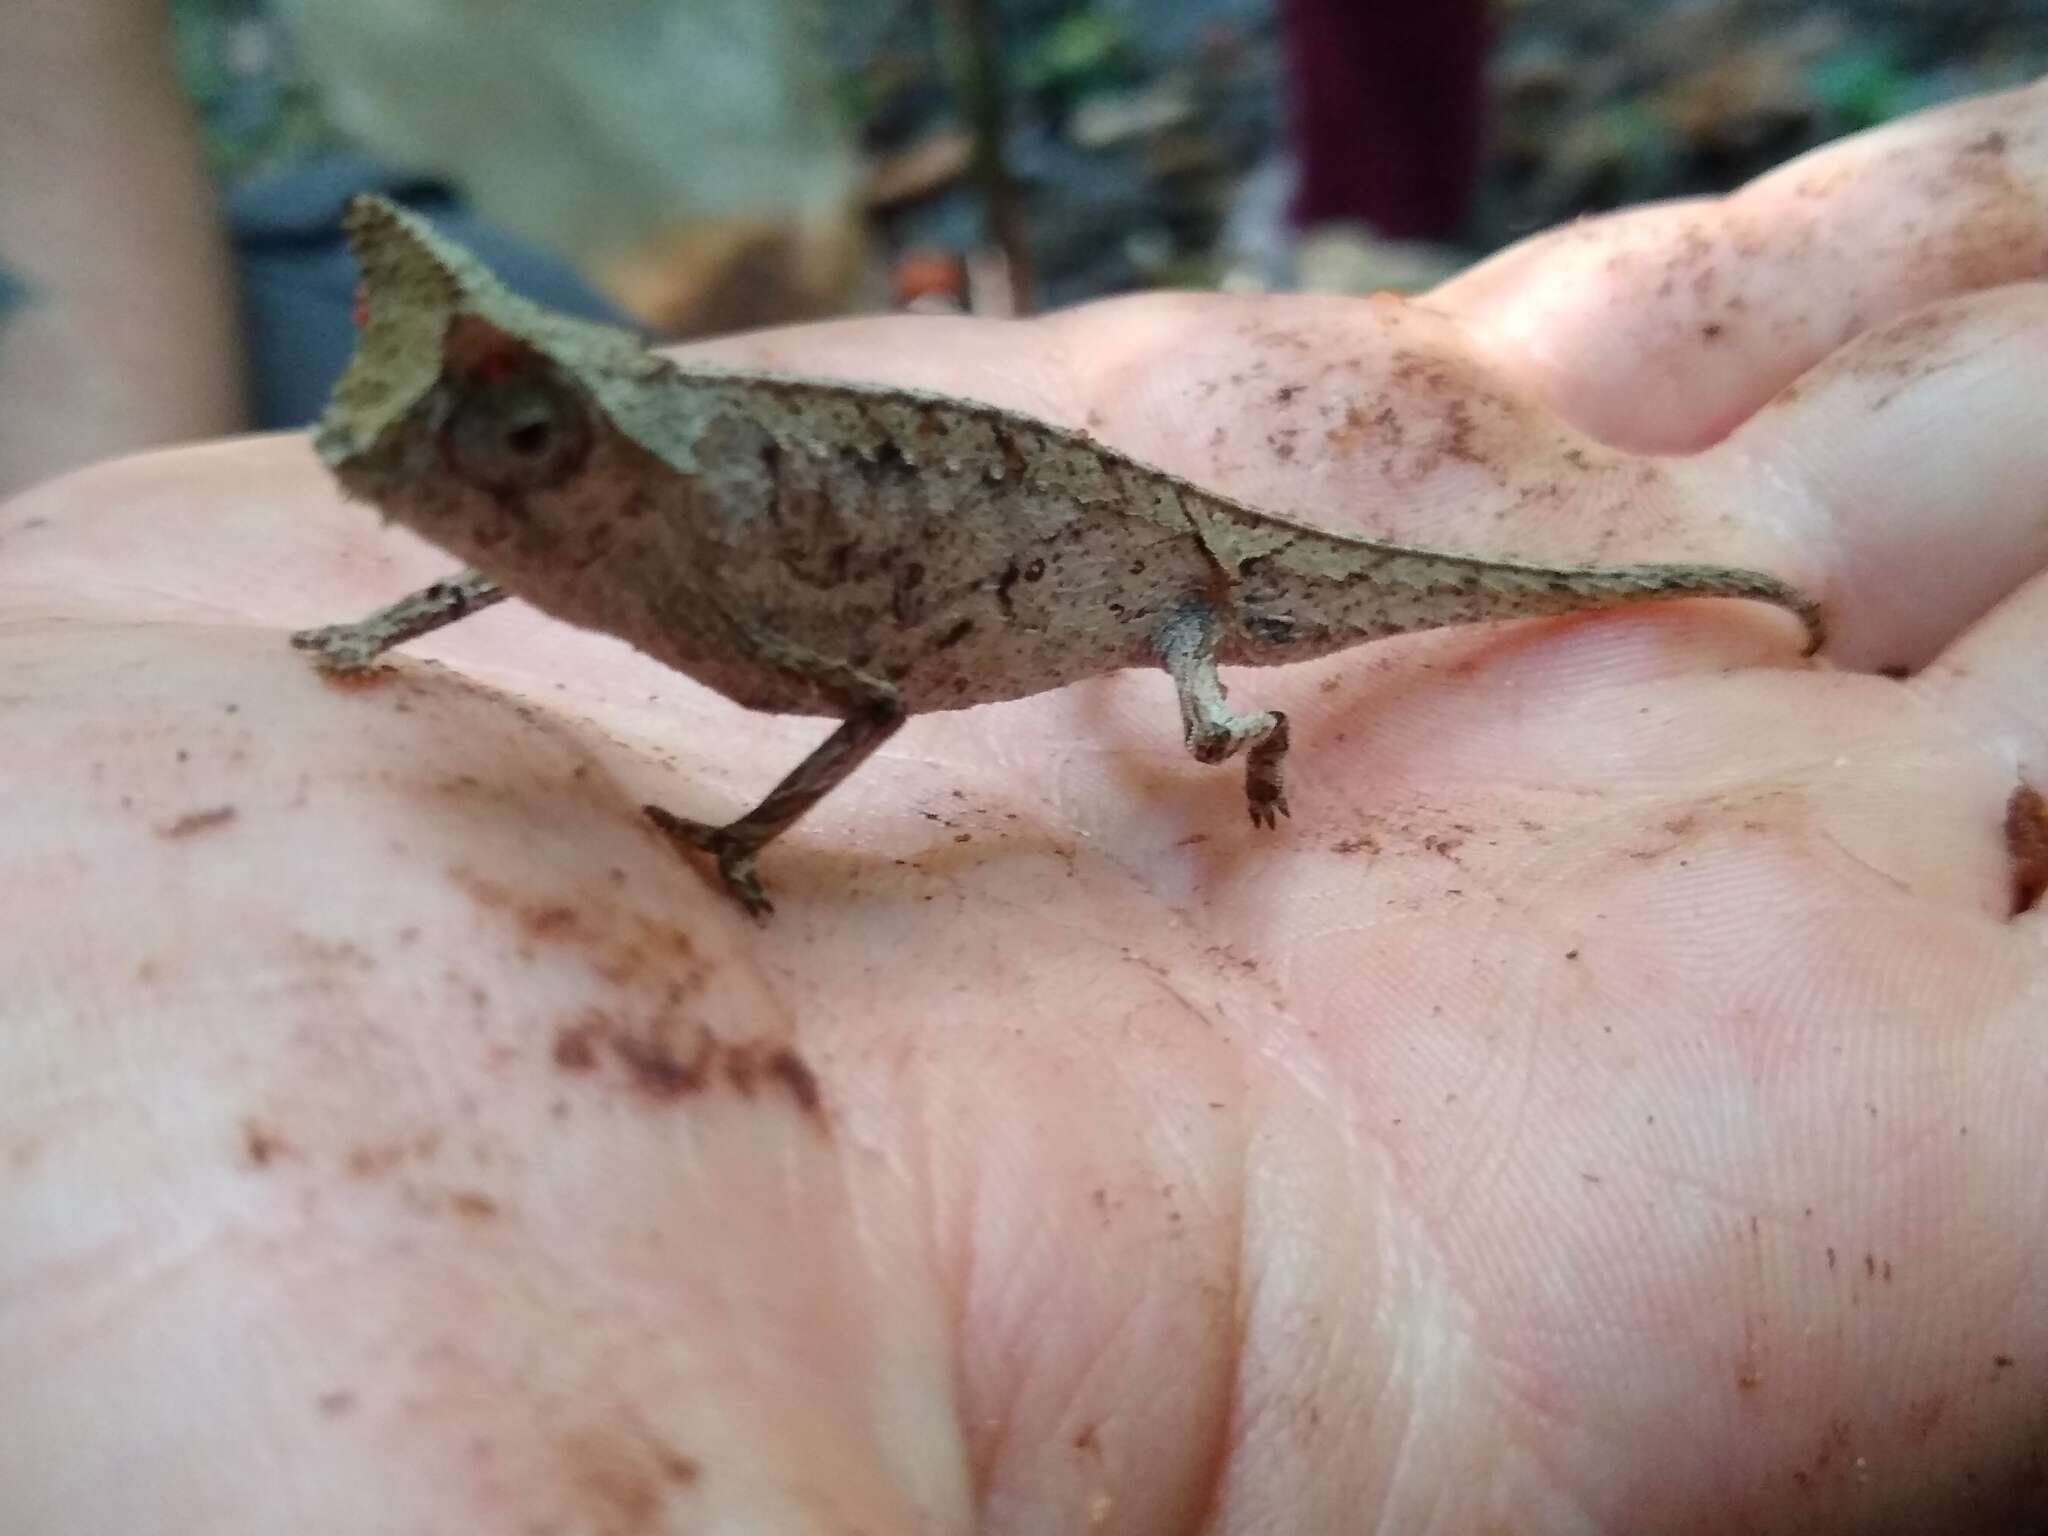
x=1265 y=791
x=735 y=858
x=342 y=649
x=1216 y=732
x=1268 y=809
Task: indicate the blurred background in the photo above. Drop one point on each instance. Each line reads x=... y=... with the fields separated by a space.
x=697 y=166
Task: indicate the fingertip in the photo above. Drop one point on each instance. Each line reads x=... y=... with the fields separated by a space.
x=1910 y=464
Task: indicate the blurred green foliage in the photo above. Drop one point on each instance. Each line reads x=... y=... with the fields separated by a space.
x=1083 y=51
x=1860 y=89
x=257 y=110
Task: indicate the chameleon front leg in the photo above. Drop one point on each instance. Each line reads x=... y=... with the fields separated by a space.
x=1214 y=731
x=345 y=648
x=738 y=843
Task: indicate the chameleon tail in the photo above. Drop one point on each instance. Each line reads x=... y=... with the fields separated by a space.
x=1649 y=583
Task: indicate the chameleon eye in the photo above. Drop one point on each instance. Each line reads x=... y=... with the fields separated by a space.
x=522 y=433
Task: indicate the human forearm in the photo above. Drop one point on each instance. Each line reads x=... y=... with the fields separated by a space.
x=121 y=330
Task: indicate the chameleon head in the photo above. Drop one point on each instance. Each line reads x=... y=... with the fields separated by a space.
x=467 y=413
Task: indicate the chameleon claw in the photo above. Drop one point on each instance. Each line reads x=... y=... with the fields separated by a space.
x=1267 y=813
x=745 y=886
x=1265 y=796
x=735 y=859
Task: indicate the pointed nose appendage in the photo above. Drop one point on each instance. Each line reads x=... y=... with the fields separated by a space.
x=414 y=283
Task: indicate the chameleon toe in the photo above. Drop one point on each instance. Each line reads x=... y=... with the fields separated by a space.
x=745 y=886
x=735 y=859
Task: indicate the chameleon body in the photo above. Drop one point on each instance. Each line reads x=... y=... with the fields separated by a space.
x=853 y=551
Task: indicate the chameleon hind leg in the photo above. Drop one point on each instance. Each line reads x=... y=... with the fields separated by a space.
x=873 y=713
x=346 y=648
x=1214 y=731
x=738 y=843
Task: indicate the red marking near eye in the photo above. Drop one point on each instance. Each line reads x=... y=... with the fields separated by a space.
x=495 y=365
x=359 y=310
x=478 y=351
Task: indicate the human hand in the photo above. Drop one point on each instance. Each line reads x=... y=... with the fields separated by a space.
x=1607 y=1105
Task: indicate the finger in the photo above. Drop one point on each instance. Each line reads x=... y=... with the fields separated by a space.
x=1661 y=328
x=1910 y=467
x=1993 y=684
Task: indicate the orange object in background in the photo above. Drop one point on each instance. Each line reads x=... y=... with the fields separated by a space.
x=929 y=279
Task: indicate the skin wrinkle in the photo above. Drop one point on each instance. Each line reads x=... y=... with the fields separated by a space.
x=1408 y=1363
x=1209 y=1503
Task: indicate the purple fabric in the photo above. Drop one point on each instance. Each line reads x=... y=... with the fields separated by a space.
x=1387 y=111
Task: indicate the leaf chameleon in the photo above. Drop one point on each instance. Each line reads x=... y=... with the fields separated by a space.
x=860 y=552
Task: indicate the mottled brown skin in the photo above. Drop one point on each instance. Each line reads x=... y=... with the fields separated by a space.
x=864 y=553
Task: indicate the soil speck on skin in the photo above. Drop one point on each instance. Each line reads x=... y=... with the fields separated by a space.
x=619 y=944
x=623 y=1477
x=1364 y=843
x=472 y=1205
x=1902 y=352
x=192 y=823
x=2026 y=842
x=795 y=1074
x=549 y=922
x=669 y=1059
x=262 y=1146
x=375 y=1159
x=742 y=1070
x=657 y=1068
x=576 y=1045
x=616 y=1483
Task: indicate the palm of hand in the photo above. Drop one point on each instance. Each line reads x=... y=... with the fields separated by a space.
x=1606 y=1100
